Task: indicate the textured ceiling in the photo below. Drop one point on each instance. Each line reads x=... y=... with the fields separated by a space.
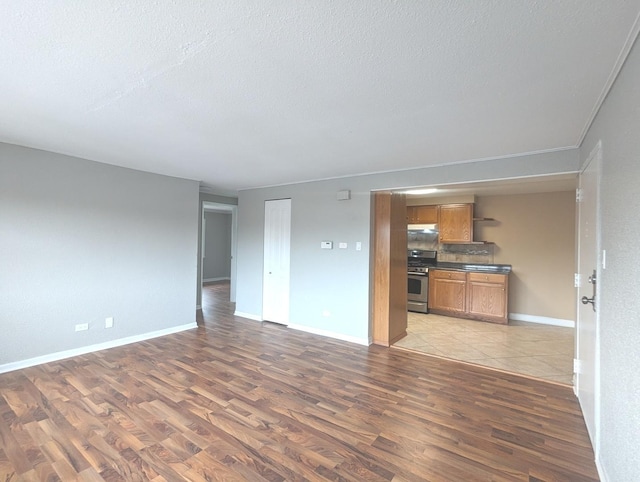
x=239 y=94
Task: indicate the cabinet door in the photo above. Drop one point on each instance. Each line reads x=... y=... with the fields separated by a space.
x=426 y=214
x=487 y=296
x=455 y=223
x=422 y=214
x=447 y=292
x=412 y=214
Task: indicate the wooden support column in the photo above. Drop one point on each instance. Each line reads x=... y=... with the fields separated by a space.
x=389 y=268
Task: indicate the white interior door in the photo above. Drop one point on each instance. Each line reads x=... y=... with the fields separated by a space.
x=277 y=245
x=587 y=333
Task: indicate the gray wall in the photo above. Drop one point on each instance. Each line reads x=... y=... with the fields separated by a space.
x=618 y=126
x=81 y=241
x=217 y=252
x=330 y=288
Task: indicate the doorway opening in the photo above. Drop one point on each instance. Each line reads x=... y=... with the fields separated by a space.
x=529 y=223
x=218 y=245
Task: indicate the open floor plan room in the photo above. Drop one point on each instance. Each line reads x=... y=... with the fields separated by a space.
x=241 y=400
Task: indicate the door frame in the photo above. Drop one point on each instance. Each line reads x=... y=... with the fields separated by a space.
x=233 y=210
x=593 y=427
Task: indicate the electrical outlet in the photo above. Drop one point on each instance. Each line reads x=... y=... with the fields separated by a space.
x=82 y=326
x=108 y=322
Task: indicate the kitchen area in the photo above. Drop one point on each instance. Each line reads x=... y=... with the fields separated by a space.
x=458 y=280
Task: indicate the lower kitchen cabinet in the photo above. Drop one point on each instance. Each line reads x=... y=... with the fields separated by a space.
x=447 y=291
x=477 y=296
x=487 y=296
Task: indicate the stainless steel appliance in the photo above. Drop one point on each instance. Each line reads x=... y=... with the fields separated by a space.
x=418 y=263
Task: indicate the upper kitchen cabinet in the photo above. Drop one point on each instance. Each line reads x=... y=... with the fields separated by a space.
x=455 y=223
x=422 y=214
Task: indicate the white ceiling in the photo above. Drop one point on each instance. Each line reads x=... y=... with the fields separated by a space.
x=239 y=93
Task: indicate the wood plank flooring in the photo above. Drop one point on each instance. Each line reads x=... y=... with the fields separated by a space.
x=240 y=400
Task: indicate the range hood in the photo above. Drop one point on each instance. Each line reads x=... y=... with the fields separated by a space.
x=423 y=228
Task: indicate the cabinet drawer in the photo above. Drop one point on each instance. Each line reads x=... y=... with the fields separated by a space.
x=453 y=275
x=488 y=277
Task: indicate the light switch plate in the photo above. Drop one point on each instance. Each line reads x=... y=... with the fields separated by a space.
x=326 y=244
x=342 y=245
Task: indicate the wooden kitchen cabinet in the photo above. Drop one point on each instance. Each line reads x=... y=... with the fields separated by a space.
x=455 y=223
x=477 y=296
x=422 y=214
x=487 y=296
x=447 y=292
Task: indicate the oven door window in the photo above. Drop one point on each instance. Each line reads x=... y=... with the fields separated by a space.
x=415 y=286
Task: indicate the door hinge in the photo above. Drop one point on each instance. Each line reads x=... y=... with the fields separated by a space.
x=579 y=195
x=576 y=280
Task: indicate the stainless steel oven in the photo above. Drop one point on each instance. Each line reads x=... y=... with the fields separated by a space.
x=418 y=263
x=418 y=294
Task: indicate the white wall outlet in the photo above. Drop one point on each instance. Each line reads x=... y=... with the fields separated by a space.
x=358 y=246
x=342 y=245
x=82 y=326
x=108 y=322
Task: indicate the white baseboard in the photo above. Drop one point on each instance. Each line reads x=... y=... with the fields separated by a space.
x=249 y=316
x=601 y=472
x=314 y=331
x=543 y=320
x=208 y=280
x=61 y=355
x=331 y=334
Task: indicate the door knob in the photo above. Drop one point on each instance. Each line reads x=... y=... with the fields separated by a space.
x=585 y=301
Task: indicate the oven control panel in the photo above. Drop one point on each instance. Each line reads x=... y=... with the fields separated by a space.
x=419 y=269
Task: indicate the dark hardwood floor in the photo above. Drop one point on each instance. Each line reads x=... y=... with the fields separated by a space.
x=240 y=400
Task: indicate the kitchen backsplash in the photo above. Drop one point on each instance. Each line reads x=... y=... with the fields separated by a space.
x=451 y=253
x=466 y=253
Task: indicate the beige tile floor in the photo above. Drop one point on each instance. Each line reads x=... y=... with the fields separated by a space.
x=531 y=349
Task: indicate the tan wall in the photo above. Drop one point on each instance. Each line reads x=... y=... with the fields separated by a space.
x=535 y=233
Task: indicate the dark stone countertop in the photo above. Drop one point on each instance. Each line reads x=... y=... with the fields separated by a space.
x=472 y=267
